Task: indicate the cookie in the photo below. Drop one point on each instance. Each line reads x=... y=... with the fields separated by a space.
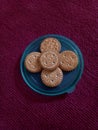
x=50 y=44
x=49 y=60
x=68 y=60
x=32 y=63
x=52 y=78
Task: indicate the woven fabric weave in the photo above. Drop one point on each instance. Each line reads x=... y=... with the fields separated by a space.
x=22 y=21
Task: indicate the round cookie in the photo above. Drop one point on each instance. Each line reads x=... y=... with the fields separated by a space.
x=32 y=63
x=52 y=78
x=50 y=44
x=68 y=60
x=49 y=60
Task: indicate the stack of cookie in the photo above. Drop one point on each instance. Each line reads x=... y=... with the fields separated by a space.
x=51 y=62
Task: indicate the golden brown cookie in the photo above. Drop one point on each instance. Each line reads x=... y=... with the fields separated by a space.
x=49 y=60
x=32 y=63
x=68 y=60
x=50 y=44
x=52 y=78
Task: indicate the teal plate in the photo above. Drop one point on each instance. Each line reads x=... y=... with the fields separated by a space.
x=70 y=79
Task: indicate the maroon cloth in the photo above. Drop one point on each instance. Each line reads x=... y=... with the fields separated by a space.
x=22 y=21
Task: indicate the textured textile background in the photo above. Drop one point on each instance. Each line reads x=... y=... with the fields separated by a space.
x=22 y=21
